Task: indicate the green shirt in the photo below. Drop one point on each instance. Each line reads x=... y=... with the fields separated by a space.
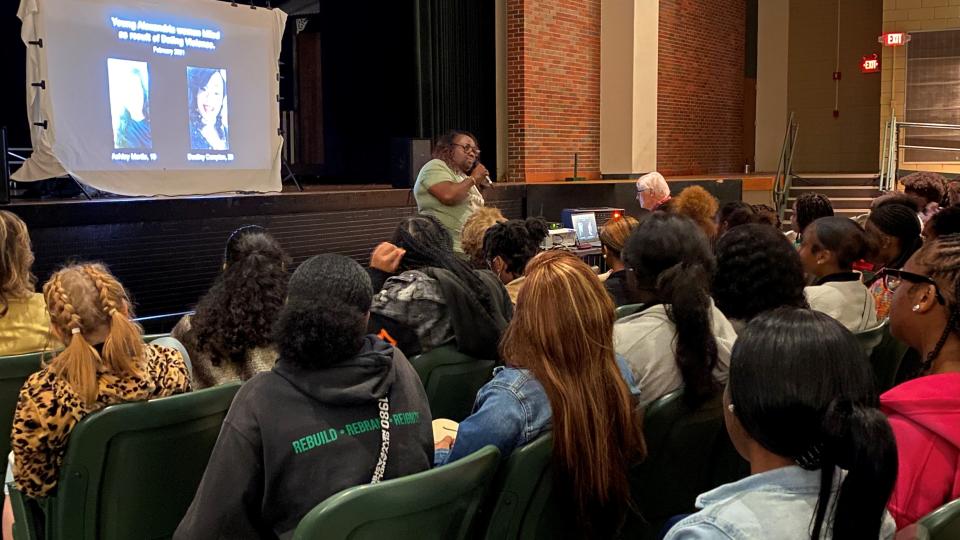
x=452 y=217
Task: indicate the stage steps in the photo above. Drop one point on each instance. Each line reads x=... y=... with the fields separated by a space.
x=850 y=194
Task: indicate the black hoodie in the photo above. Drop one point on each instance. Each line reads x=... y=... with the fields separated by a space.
x=294 y=437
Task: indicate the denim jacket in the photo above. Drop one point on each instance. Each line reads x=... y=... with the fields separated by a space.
x=510 y=411
x=774 y=504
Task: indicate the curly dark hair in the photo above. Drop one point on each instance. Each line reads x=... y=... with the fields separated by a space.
x=443 y=146
x=768 y=215
x=325 y=317
x=238 y=311
x=757 y=270
x=810 y=207
x=928 y=186
x=951 y=195
x=735 y=213
x=670 y=256
x=429 y=245
x=944 y=222
x=515 y=241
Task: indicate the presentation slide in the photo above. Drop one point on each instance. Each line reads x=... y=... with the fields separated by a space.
x=157 y=97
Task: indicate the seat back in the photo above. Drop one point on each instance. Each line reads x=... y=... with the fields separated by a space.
x=886 y=357
x=441 y=503
x=14 y=370
x=451 y=380
x=941 y=524
x=628 y=309
x=131 y=470
x=688 y=453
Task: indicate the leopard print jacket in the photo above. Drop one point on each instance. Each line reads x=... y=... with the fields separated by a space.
x=48 y=409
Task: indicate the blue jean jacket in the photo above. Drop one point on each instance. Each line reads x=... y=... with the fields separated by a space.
x=510 y=411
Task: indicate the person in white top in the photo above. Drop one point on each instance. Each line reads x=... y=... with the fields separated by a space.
x=680 y=339
x=828 y=250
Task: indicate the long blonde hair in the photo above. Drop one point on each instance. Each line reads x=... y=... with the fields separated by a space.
x=82 y=299
x=562 y=331
x=16 y=258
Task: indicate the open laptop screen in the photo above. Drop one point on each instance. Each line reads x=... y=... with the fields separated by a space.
x=585 y=226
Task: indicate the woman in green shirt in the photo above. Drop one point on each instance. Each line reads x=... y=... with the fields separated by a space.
x=449 y=186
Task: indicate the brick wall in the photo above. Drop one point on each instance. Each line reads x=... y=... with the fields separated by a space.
x=553 y=88
x=700 y=86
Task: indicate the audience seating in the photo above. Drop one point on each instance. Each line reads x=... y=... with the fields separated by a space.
x=522 y=504
x=689 y=453
x=130 y=471
x=886 y=356
x=627 y=310
x=441 y=503
x=451 y=380
x=941 y=524
x=14 y=370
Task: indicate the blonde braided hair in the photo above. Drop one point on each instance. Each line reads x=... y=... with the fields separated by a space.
x=82 y=299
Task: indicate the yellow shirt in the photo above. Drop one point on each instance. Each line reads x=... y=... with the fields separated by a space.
x=26 y=326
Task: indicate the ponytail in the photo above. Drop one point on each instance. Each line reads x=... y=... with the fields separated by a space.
x=683 y=288
x=858 y=439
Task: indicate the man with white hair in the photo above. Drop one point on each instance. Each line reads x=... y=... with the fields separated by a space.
x=652 y=190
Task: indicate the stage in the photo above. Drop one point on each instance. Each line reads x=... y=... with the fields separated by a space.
x=168 y=250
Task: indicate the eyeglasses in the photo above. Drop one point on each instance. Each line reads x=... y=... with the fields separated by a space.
x=893 y=278
x=468 y=148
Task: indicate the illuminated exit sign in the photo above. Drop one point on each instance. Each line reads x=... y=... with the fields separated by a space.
x=870 y=64
x=894 y=39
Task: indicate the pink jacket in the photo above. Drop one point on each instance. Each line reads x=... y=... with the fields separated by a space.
x=925 y=416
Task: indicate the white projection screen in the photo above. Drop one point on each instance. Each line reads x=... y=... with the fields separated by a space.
x=154 y=97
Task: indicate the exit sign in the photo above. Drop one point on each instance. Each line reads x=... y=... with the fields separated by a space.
x=870 y=64
x=894 y=39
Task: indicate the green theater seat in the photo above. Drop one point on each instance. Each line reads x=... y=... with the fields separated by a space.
x=441 y=503
x=130 y=470
x=14 y=370
x=451 y=380
x=941 y=524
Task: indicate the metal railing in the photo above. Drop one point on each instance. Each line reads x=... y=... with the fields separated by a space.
x=893 y=144
x=783 y=180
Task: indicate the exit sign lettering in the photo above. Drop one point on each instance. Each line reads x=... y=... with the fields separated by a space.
x=894 y=39
x=870 y=64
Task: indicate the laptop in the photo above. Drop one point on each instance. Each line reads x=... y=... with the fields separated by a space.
x=585 y=227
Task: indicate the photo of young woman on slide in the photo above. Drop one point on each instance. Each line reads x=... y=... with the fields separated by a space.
x=207 y=98
x=129 y=103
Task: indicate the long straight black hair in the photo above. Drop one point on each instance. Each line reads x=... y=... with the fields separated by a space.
x=802 y=388
x=669 y=256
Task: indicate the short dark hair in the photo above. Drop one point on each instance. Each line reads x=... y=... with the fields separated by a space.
x=443 y=146
x=802 y=388
x=810 y=207
x=929 y=186
x=757 y=270
x=768 y=215
x=516 y=241
x=847 y=240
x=325 y=317
x=734 y=214
x=671 y=255
x=944 y=222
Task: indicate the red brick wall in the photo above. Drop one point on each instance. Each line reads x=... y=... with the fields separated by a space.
x=700 y=86
x=553 y=88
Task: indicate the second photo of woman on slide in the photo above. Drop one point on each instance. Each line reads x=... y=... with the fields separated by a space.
x=207 y=98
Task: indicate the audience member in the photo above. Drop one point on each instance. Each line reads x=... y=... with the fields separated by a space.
x=894 y=232
x=946 y=221
x=449 y=186
x=24 y=322
x=274 y=461
x=767 y=215
x=733 y=214
x=680 y=338
x=652 y=191
x=951 y=195
x=808 y=208
x=471 y=239
x=801 y=408
x=509 y=246
x=105 y=362
x=613 y=236
x=561 y=374
x=929 y=189
x=830 y=247
x=699 y=205
x=437 y=298
x=757 y=270
x=925 y=411
x=228 y=338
